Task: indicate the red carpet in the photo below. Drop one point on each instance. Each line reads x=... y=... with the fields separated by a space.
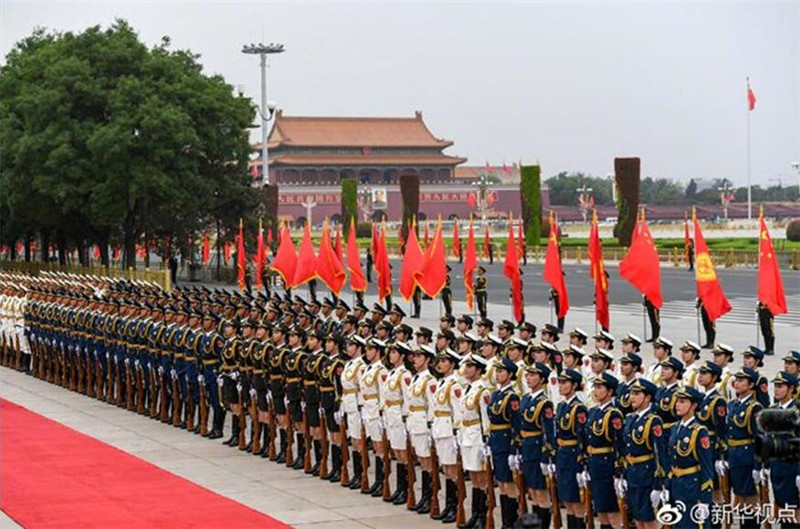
x=53 y=476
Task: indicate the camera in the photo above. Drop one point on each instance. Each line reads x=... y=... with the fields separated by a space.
x=779 y=437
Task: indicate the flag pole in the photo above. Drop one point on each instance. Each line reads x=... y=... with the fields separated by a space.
x=749 y=193
x=760 y=215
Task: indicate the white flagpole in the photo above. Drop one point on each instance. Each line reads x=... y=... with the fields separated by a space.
x=749 y=194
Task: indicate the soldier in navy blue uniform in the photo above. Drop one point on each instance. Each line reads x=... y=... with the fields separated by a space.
x=604 y=445
x=629 y=366
x=671 y=371
x=754 y=359
x=689 y=464
x=783 y=474
x=645 y=455
x=712 y=414
x=571 y=416
x=745 y=469
x=537 y=430
x=213 y=345
x=504 y=419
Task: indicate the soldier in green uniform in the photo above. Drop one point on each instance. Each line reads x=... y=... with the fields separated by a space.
x=480 y=291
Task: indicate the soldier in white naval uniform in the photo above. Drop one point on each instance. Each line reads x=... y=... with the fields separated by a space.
x=446 y=421
x=723 y=355
x=662 y=349
x=351 y=377
x=420 y=412
x=394 y=405
x=369 y=389
x=690 y=356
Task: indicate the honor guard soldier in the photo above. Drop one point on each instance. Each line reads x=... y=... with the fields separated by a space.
x=550 y=333
x=537 y=429
x=629 y=366
x=514 y=352
x=372 y=377
x=527 y=331
x=571 y=417
x=446 y=421
x=712 y=414
x=754 y=359
x=490 y=350
x=709 y=326
x=662 y=350
x=420 y=412
x=783 y=475
x=312 y=373
x=260 y=358
x=480 y=291
x=556 y=306
x=485 y=327
x=330 y=389
x=192 y=352
x=601 y=365
x=230 y=376
x=579 y=337
x=690 y=470
x=791 y=364
x=575 y=358
x=505 y=331
x=464 y=325
x=766 y=322
x=423 y=336
x=277 y=386
x=473 y=435
x=645 y=455
x=213 y=347
x=654 y=315
x=690 y=356
x=671 y=371
x=745 y=468
x=394 y=402
x=604 y=446
x=446 y=323
x=504 y=418
x=447 y=294
x=351 y=378
x=293 y=365
x=723 y=355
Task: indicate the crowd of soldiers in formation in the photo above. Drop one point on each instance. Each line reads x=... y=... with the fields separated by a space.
x=544 y=430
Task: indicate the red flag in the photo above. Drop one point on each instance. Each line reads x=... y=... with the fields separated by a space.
x=413 y=261
x=489 y=168
x=751 y=97
x=687 y=241
x=770 y=284
x=306 y=260
x=597 y=272
x=470 y=265
x=511 y=271
x=456 y=240
x=338 y=245
x=226 y=251
x=521 y=239
x=472 y=200
x=640 y=266
x=357 y=280
x=506 y=169
x=486 y=242
x=269 y=237
x=96 y=252
x=382 y=268
x=709 y=289
x=261 y=257
x=254 y=171
x=329 y=266
x=206 y=249
x=286 y=258
x=432 y=277
x=116 y=253
x=553 y=273
x=241 y=259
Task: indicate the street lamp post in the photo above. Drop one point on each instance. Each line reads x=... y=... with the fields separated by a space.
x=482 y=186
x=266 y=110
x=365 y=201
x=726 y=197
x=796 y=167
x=584 y=200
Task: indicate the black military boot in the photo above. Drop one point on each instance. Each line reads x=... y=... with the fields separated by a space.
x=264 y=452
x=317 y=457
x=478 y=501
x=282 y=454
x=423 y=506
x=451 y=499
x=234 y=432
x=377 y=488
x=335 y=474
x=355 y=481
x=400 y=473
x=504 y=512
x=217 y=425
x=301 y=452
x=544 y=515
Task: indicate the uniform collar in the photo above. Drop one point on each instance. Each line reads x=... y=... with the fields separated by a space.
x=536 y=393
x=687 y=423
x=642 y=413
x=507 y=386
x=746 y=398
x=605 y=405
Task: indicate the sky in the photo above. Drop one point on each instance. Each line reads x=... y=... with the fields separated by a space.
x=570 y=85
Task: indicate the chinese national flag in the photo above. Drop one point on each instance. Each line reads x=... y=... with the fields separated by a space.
x=357 y=280
x=470 y=265
x=432 y=276
x=382 y=268
x=306 y=269
x=286 y=258
x=709 y=290
x=329 y=266
x=261 y=256
x=770 y=284
x=456 y=240
x=597 y=271
x=413 y=261
x=553 y=273
x=486 y=242
x=206 y=249
x=511 y=271
x=338 y=244
x=241 y=262
x=641 y=267
x=751 y=97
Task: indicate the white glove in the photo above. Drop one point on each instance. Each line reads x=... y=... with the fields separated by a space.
x=303 y=405
x=719 y=466
x=252 y=393
x=519 y=462
x=797 y=482
x=618 y=487
x=765 y=475
x=757 y=476
x=665 y=495
x=321 y=413
x=512 y=462
x=655 y=498
x=235 y=375
x=127 y=362
x=586 y=477
x=136 y=363
x=269 y=396
x=487 y=452
x=108 y=355
x=160 y=370
x=551 y=469
x=173 y=374
x=219 y=381
x=238 y=388
x=581 y=481
x=543 y=466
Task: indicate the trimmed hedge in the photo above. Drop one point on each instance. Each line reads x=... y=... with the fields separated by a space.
x=271 y=208
x=349 y=203
x=530 y=187
x=409 y=191
x=628 y=176
x=793 y=231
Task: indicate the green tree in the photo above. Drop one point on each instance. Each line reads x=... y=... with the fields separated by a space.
x=563 y=188
x=627 y=171
x=530 y=194
x=349 y=203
